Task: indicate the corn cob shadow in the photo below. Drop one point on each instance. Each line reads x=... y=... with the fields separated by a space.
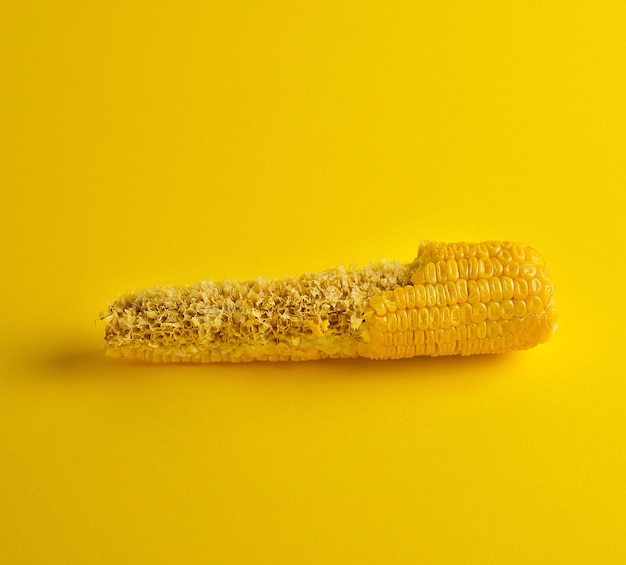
x=66 y=361
x=452 y=299
x=68 y=358
x=89 y=364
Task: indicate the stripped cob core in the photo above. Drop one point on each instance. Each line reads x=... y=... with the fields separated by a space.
x=461 y=298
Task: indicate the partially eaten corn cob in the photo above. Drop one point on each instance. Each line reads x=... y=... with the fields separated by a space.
x=460 y=298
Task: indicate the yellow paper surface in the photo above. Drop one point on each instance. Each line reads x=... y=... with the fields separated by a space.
x=152 y=143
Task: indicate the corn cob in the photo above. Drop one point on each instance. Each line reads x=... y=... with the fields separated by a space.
x=461 y=298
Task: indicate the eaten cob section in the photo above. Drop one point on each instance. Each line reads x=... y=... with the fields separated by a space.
x=461 y=298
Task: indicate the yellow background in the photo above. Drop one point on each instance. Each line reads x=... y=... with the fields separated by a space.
x=154 y=143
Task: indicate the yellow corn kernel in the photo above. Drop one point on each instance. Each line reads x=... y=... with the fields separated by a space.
x=461 y=333
x=457 y=250
x=410 y=298
x=422 y=318
x=389 y=301
x=451 y=291
x=508 y=287
x=434 y=317
x=535 y=305
x=546 y=293
x=399 y=298
x=392 y=322
x=380 y=322
x=498 y=268
x=403 y=321
x=484 y=291
x=493 y=310
x=543 y=274
x=529 y=270
x=463 y=269
x=534 y=287
x=466 y=299
x=431 y=295
x=479 y=312
x=462 y=293
x=446 y=317
x=377 y=303
x=473 y=268
x=450 y=336
x=495 y=289
x=519 y=308
x=455 y=315
x=442 y=271
x=512 y=269
x=440 y=337
x=472 y=332
x=505 y=256
x=441 y=295
x=474 y=292
x=430 y=272
x=521 y=289
x=420 y=295
x=466 y=313
x=503 y=327
x=507 y=309
x=452 y=270
x=485 y=268
x=518 y=251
